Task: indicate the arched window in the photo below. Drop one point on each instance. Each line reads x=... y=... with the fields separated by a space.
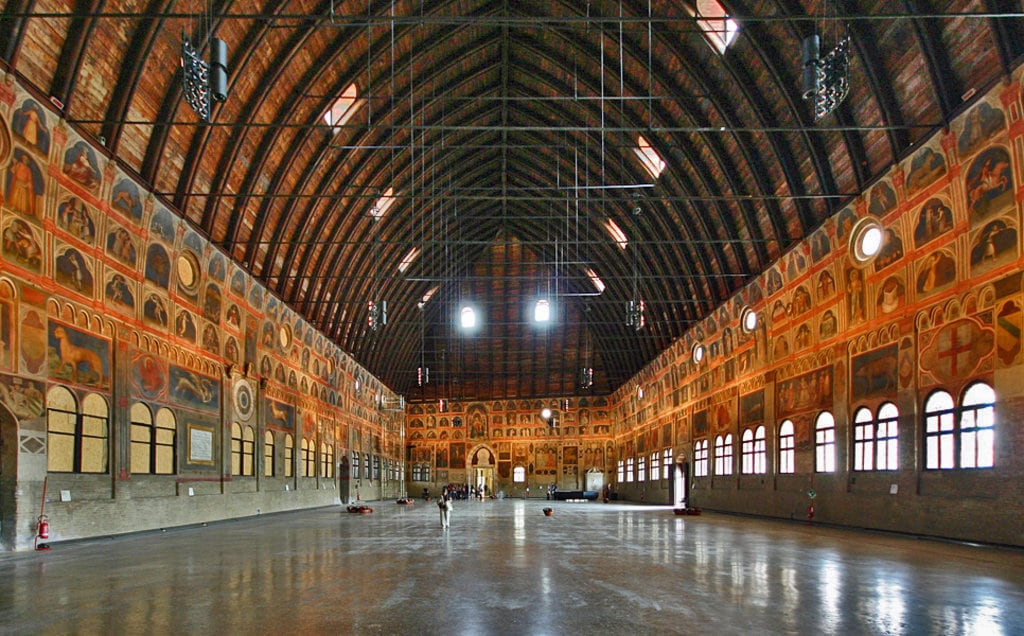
x=289 y=456
x=141 y=439
x=939 y=433
x=152 y=448
x=863 y=440
x=655 y=466
x=94 y=424
x=887 y=437
x=666 y=463
x=825 y=443
x=248 y=451
x=519 y=474
x=641 y=468
x=630 y=468
x=376 y=467
x=308 y=457
x=355 y=465
x=622 y=470
x=700 y=458
x=753 y=452
x=787 y=448
x=76 y=442
x=876 y=440
x=165 y=447
x=268 y=454
x=61 y=430
x=329 y=462
x=961 y=437
x=977 y=427
x=236 y=449
x=723 y=454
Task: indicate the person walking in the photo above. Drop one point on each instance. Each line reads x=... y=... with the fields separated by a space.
x=444 y=504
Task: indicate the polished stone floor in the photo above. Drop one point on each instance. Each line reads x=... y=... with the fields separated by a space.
x=505 y=568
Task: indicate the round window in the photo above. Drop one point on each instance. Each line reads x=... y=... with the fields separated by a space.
x=188 y=271
x=698 y=353
x=866 y=240
x=748 y=319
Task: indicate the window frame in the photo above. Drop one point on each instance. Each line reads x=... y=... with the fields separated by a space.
x=701 y=462
x=825 y=443
x=787 y=448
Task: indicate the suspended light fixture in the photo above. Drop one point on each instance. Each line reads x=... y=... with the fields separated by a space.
x=204 y=82
x=826 y=80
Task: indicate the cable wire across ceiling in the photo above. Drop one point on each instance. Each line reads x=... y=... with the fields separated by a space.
x=505 y=134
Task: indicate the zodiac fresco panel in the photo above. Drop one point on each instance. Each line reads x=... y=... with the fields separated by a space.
x=80 y=165
x=24 y=185
x=29 y=125
x=22 y=245
x=193 y=390
x=989 y=183
x=125 y=199
x=78 y=357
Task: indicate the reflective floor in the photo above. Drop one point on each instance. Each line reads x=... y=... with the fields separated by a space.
x=505 y=568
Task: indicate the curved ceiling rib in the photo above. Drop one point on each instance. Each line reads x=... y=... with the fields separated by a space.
x=507 y=132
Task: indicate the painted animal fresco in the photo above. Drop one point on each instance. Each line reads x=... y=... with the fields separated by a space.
x=193 y=390
x=980 y=125
x=874 y=374
x=926 y=167
x=989 y=183
x=125 y=199
x=78 y=357
x=280 y=415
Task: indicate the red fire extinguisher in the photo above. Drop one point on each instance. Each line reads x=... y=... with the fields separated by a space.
x=810 y=512
x=42 y=523
x=42 y=532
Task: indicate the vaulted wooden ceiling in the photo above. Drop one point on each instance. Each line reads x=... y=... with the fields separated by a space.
x=506 y=132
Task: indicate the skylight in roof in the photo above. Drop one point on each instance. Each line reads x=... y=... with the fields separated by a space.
x=596 y=280
x=426 y=298
x=719 y=29
x=616 y=233
x=343 y=108
x=408 y=260
x=649 y=157
x=383 y=204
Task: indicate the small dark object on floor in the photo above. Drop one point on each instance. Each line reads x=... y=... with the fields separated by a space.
x=548 y=512
x=686 y=511
x=362 y=508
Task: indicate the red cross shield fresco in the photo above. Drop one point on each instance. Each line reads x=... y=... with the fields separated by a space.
x=955 y=351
